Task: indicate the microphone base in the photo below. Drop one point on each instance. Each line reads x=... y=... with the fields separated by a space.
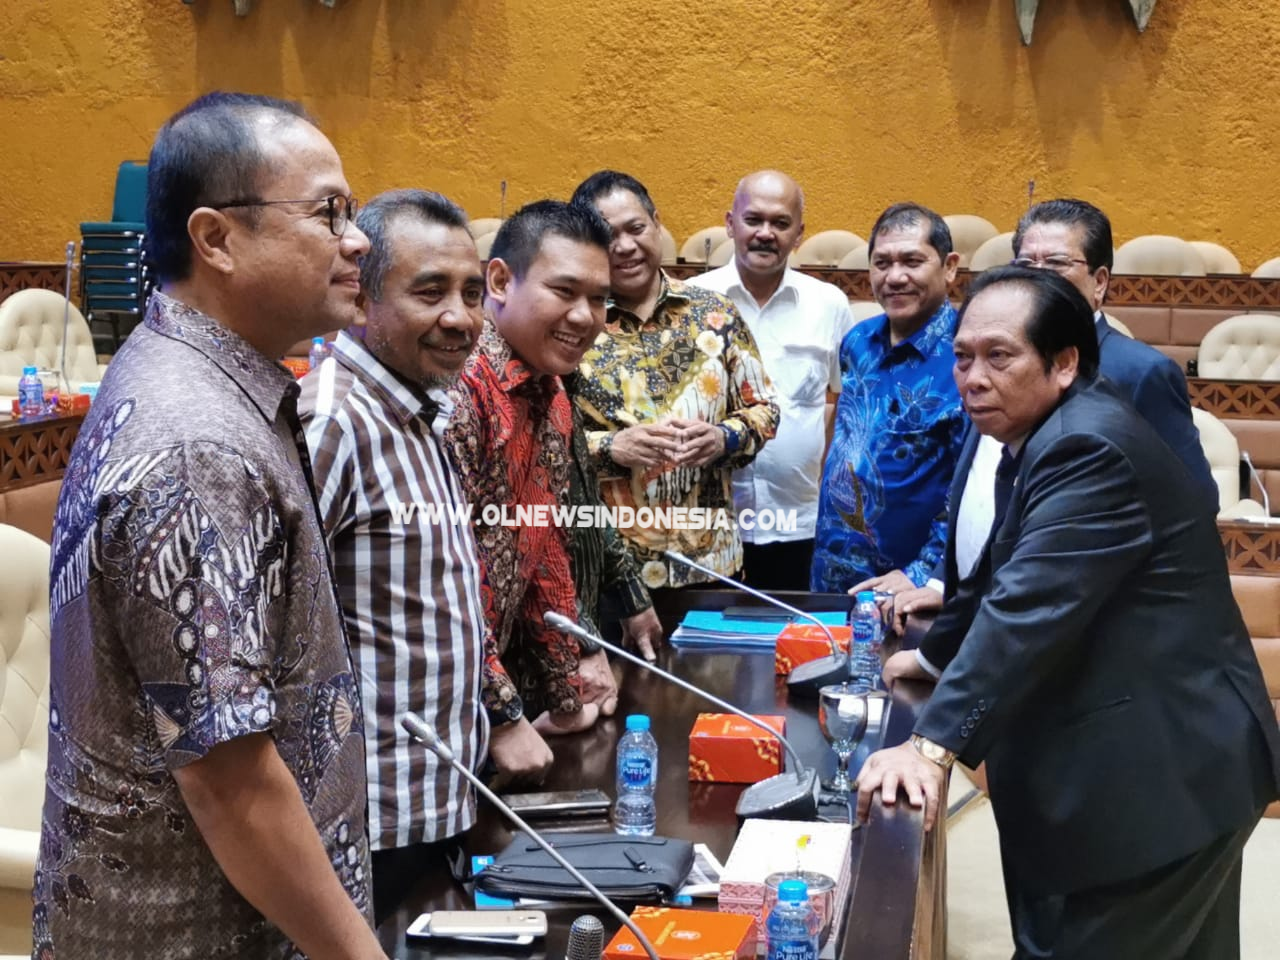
x=810 y=677
x=786 y=796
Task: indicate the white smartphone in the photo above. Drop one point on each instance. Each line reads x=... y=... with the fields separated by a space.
x=517 y=927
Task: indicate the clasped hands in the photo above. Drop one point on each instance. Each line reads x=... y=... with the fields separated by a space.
x=674 y=441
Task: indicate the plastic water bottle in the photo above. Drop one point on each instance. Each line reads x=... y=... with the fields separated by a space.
x=30 y=393
x=318 y=352
x=791 y=932
x=634 y=812
x=867 y=627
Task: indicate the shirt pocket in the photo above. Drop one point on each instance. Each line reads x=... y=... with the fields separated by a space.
x=801 y=373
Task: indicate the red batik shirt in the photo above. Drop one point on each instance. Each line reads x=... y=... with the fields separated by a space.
x=509 y=440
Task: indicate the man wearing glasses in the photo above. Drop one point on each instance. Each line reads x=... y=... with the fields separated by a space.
x=1073 y=239
x=206 y=768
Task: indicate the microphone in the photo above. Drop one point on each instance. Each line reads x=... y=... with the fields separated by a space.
x=66 y=317
x=1253 y=474
x=792 y=796
x=586 y=939
x=807 y=678
x=421 y=731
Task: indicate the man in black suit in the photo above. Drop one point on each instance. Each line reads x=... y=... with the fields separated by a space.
x=1072 y=238
x=1094 y=658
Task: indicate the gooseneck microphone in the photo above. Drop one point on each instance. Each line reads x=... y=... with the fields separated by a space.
x=586 y=939
x=421 y=731
x=791 y=795
x=807 y=678
x=1253 y=475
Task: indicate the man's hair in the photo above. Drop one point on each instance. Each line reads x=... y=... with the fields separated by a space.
x=386 y=209
x=1072 y=213
x=520 y=237
x=1060 y=315
x=604 y=182
x=205 y=154
x=903 y=216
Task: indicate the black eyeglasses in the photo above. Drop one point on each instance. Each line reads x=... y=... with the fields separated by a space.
x=342 y=210
x=1058 y=262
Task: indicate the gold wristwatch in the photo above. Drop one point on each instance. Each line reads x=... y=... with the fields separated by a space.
x=934 y=752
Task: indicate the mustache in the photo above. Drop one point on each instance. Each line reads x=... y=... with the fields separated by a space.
x=448 y=342
x=762 y=248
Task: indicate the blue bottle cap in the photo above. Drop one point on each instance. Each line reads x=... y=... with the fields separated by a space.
x=637 y=721
x=27 y=371
x=866 y=596
x=316 y=341
x=793 y=891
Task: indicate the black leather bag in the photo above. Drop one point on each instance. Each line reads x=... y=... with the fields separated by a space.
x=628 y=868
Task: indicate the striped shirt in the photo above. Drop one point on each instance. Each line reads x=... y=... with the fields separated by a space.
x=410 y=590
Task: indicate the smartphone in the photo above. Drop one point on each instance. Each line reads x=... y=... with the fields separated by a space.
x=559 y=803
x=509 y=927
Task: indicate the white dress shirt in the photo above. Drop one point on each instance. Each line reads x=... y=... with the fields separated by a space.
x=798 y=333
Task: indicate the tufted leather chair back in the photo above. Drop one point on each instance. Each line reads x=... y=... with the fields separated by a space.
x=1244 y=347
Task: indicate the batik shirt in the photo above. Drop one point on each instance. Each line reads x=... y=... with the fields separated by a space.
x=191 y=604
x=694 y=359
x=601 y=564
x=509 y=442
x=898 y=430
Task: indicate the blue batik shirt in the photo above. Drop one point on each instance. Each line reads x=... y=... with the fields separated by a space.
x=898 y=430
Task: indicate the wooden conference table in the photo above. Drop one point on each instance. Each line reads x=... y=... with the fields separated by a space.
x=896 y=908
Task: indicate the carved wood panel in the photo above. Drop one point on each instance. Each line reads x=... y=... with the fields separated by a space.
x=23 y=276
x=36 y=451
x=1252 y=548
x=1239 y=399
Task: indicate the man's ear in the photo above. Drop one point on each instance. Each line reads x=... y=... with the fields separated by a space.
x=498 y=279
x=362 y=315
x=950 y=265
x=1101 y=281
x=728 y=223
x=1066 y=366
x=210 y=232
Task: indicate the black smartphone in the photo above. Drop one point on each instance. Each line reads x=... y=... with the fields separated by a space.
x=757 y=613
x=559 y=803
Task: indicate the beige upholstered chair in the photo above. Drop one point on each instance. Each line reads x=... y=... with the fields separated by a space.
x=1222 y=450
x=695 y=248
x=484 y=243
x=1117 y=325
x=1244 y=347
x=482 y=225
x=996 y=252
x=1269 y=270
x=24 y=724
x=1215 y=257
x=721 y=255
x=1159 y=255
x=828 y=248
x=859 y=258
x=668 y=245
x=968 y=233
x=31 y=333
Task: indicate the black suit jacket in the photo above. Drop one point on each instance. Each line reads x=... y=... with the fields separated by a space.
x=1101 y=666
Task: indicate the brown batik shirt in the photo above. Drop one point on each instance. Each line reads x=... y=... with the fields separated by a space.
x=192 y=603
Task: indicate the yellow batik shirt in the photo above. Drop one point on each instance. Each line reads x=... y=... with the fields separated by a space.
x=694 y=359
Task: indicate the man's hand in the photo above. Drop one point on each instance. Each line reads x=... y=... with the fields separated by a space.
x=895 y=581
x=519 y=753
x=558 y=724
x=597 y=683
x=915 y=600
x=643 y=632
x=901 y=766
x=645 y=445
x=903 y=665
x=701 y=443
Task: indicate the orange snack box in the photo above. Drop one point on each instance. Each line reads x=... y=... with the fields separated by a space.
x=68 y=404
x=801 y=642
x=724 y=748
x=686 y=935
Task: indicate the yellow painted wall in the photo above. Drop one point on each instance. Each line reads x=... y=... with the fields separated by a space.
x=864 y=101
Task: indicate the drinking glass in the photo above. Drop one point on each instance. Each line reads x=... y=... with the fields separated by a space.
x=842 y=716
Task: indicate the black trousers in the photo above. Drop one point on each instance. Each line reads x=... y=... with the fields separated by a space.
x=397 y=871
x=778 y=566
x=1186 y=910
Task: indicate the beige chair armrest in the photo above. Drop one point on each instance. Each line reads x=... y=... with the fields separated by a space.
x=1242 y=508
x=18 y=850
